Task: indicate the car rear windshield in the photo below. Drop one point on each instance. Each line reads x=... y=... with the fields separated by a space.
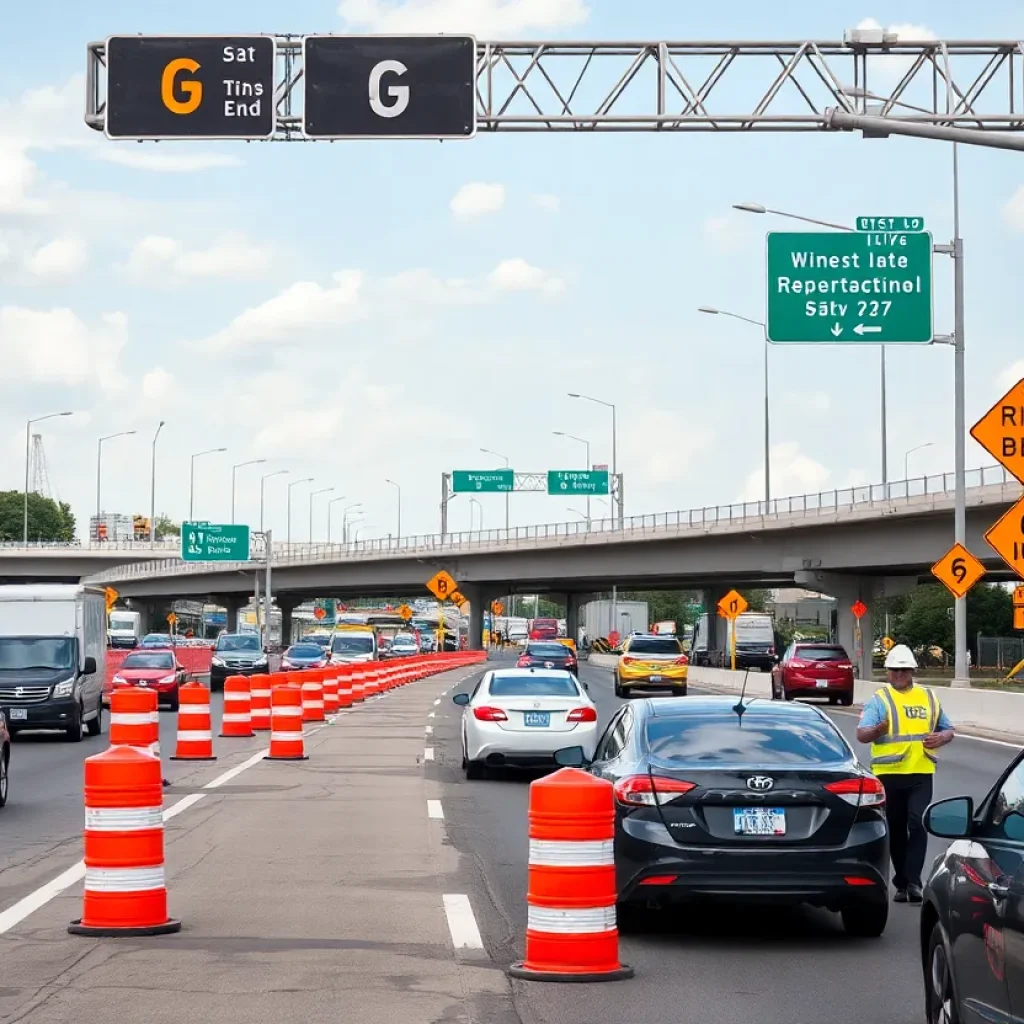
x=756 y=741
x=305 y=651
x=238 y=643
x=352 y=645
x=148 y=661
x=654 y=645
x=548 y=650
x=157 y=639
x=821 y=654
x=533 y=686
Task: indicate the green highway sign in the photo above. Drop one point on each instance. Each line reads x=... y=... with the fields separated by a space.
x=885 y=224
x=577 y=481
x=857 y=287
x=483 y=481
x=214 y=542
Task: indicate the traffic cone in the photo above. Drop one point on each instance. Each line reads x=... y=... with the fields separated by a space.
x=571 y=934
x=259 y=701
x=125 y=893
x=135 y=719
x=236 y=720
x=329 y=676
x=344 y=686
x=312 y=697
x=286 y=743
x=195 y=730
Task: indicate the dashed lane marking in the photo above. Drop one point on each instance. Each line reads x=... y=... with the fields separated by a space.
x=428 y=753
x=429 y=729
x=434 y=810
x=462 y=924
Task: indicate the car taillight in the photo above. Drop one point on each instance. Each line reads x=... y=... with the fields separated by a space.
x=645 y=791
x=585 y=714
x=861 y=792
x=844 y=665
x=626 y=661
x=797 y=663
x=488 y=714
x=523 y=662
x=682 y=660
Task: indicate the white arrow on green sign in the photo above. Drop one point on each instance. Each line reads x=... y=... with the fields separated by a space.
x=214 y=542
x=483 y=481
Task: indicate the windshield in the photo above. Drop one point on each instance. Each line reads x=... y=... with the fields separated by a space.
x=548 y=650
x=403 y=639
x=719 y=738
x=318 y=641
x=654 y=645
x=122 y=622
x=311 y=651
x=238 y=643
x=148 y=661
x=352 y=645
x=821 y=654
x=424 y=625
x=533 y=686
x=36 y=652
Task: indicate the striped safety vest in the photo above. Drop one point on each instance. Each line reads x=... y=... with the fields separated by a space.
x=911 y=715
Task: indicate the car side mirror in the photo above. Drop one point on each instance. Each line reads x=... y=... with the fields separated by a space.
x=571 y=757
x=462 y=699
x=89 y=666
x=952 y=818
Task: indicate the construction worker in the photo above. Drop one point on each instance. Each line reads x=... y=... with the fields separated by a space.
x=905 y=725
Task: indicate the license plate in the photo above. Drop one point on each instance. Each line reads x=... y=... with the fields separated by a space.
x=655 y=679
x=18 y=714
x=759 y=821
x=540 y=719
x=822 y=684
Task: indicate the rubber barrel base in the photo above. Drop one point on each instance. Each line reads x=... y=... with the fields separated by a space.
x=517 y=970
x=297 y=757
x=192 y=759
x=236 y=735
x=167 y=928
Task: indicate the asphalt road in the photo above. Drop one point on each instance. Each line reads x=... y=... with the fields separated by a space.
x=692 y=967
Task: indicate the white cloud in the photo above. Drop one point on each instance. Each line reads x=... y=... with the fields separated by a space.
x=157 y=384
x=793 y=473
x=233 y=255
x=17 y=177
x=145 y=159
x=488 y=19
x=516 y=275
x=892 y=68
x=728 y=232
x=659 y=465
x=60 y=258
x=546 y=202
x=477 y=199
x=1011 y=374
x=814 y=403
x=424 y=286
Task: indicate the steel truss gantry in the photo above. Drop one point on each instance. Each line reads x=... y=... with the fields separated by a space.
x=728 y=86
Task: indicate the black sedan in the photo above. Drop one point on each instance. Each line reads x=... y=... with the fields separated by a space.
x=972 y=919
x=717 y=800
x=548 y=654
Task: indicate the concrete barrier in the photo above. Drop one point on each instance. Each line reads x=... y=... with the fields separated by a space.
x=987 y=712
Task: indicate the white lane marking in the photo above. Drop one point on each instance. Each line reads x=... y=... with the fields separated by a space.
x=428 y=753
x=431 y=715
x=436 y=702
x=434 y=810
x=429 y=729
x=461 y=922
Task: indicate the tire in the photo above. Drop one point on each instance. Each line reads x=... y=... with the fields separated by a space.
x=73 y=732
x=94 y=727
x=785 y=693
x=846 y=701
x=865 y=920
x=475 y=770
x=5 y=782
x=940 y=1006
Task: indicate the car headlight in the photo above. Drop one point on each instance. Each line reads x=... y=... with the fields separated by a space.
x=168 y=679
x=120 y=679
x=261 y=661
x=219 y=662
x=64 y=689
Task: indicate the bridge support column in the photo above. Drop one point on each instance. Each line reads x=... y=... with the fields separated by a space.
x=479 y=600
x=287 y=606
x=232 y=605
x=718 y=628
x=572 y=617
x=848 y=590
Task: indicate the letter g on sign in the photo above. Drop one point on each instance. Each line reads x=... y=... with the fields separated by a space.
x=398 y=93
x=192 y=89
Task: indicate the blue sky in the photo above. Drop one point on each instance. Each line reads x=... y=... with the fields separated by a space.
x=326 y=308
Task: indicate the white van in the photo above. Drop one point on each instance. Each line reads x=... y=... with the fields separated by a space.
x=349 y=646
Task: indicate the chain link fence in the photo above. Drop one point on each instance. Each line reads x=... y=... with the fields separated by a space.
x=1002 y=652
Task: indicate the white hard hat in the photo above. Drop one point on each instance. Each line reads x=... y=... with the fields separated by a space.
x=901 y=656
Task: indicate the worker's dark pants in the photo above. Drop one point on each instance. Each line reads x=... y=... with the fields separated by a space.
x=906 y=797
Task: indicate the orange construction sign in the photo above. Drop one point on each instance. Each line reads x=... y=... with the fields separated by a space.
x=1007 y=538
x=1018 y=618
x=958 y=570
x=442 y=585
x=1018 y=596
x=1001 y=431
x=732 y=605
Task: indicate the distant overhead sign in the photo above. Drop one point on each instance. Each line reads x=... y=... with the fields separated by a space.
x=577 y=481
x=399 y=87
x=1001 y=431
x=190 y=87
x=483 y=481
x=214 y=542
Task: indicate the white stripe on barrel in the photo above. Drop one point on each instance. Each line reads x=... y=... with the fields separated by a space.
x=133 y=717
x=284 y=737
x=123 y=819
x=287 y=711
x=194 y=709
x=194 y=735
x=570 y=922
x=576 y=854
x=236 y=716
x=124 y=879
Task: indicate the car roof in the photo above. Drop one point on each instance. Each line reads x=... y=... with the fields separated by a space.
x=527 y=672
x=819 y=643
x=707 y=704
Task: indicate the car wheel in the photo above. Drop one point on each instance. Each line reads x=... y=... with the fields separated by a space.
x=865 y=920
x=5 y=781
x=628 y=917
x=74 y=731
x=95 y=725
x=619 y=690
x=846 y=700
x=174 y=701
x=785 y=693
x=939 y=997
x=475 y=770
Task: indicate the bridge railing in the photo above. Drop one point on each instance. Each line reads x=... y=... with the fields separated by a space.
x=820 y=503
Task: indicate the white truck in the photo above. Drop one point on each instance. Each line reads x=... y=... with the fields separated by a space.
x=124 y=628
x=755 y=642
x=53 y=645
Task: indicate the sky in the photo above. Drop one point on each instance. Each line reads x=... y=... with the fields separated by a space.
x=369 y=311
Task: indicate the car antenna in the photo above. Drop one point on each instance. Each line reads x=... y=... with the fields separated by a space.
x=739 y=706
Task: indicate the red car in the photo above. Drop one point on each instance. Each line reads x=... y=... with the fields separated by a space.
x=159 y=670
x=544 y=629
x=814 y=670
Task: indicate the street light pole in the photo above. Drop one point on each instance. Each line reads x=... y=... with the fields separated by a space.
x=487 y=451
x=294 y=483
x=312 y=495
x=28 y=456
x=192 y=479
x=357 y=507
x=333 y=501
x=399 y=489
x=152 y=488
x=472 y=502
x=234 y=469
x=615 y=444
x=263 y=491
x=99 y=464
x=583 y=441
x=906 y=458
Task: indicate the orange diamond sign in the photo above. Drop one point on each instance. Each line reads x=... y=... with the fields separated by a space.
x=958 y=570
x=1001 y=431
x=859 y=609
x=1018 y=596
x=441 y=585
x=1007 y=538
x=732 y=605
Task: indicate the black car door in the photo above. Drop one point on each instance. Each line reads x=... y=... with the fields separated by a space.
x=611 y=745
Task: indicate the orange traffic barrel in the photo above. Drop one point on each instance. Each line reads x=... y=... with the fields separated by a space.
x=571 y=933
x=195 y=729
x=330 y=682
x=259 y=701
x=125 y=893
x=135 y=719
x=371 y=681
x=286 y=743
x=344 y=686
x=312 y=697
x=237 y=717
x=358 y=683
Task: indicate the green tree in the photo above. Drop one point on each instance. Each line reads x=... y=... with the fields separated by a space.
x=665 y=605
x=757 y=599
x=166 y=527
x=989 y=612
x=48 y=520
x=927 y=619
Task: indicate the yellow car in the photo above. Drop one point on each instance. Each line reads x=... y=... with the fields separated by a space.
x=650 y=662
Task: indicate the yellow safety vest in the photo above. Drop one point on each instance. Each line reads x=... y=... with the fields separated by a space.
x=911 y=715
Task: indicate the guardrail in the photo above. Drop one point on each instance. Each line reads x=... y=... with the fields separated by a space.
x=821 y=503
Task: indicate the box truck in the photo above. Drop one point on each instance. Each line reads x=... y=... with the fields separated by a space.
x=53 y=644
x=755 y=643
x=124 y=628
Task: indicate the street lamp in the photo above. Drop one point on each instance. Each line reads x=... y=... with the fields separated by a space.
x=312 y=495
x=767 y=409
x=294 y=483
x=234 y=469
x=263 y=490
x=399 y=489
x=498 y=455
x=357 y=508
x=472 y=502
x=906 y=457
x=99 y=463
x=615 y=442
x=192 y=477
x=573 y=437
x=28 y=456
x=152 y=488
x=333 y=501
